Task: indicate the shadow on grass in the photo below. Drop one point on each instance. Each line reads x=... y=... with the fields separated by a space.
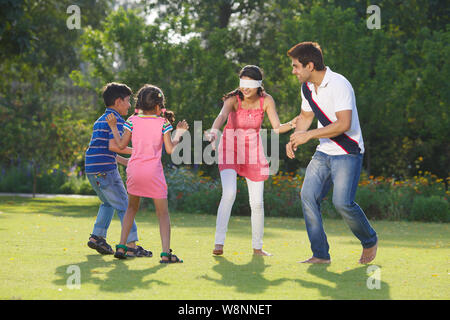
x=56 y=207
x=246 y=278
x=394 y=233
x=351 y=284
x=120 y=279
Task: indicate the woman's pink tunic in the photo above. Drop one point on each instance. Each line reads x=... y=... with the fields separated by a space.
x=241 y=148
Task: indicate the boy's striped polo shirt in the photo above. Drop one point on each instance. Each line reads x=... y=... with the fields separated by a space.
x=98 y=156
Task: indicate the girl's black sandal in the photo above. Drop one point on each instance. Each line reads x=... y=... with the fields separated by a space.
x=169 y=256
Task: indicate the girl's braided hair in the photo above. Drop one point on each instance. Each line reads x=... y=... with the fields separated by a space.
x=150 y=96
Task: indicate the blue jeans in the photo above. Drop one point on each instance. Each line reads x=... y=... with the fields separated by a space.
x=111 y=191
x=343 y=173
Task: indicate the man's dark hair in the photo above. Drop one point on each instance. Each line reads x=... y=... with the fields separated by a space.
x=306 y=52
x=113 y=91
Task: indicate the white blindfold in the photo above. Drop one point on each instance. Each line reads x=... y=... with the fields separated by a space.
x=250 y=83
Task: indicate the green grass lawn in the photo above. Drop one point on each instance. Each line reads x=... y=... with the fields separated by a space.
x=42 y=238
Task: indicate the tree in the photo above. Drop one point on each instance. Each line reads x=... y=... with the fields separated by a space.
x=38 y=51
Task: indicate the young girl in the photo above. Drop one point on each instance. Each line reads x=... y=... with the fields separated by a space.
x=244 y=109
x=145 y=177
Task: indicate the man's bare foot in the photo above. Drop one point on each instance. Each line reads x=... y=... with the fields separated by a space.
x=316 y=261
x=369 y=254
x=218 y=250
x=261 y=252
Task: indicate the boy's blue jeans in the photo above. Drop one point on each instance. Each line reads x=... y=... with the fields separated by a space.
x=111 y=191
x=343 y=173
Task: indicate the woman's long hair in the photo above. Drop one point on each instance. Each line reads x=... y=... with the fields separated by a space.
x=251 y=71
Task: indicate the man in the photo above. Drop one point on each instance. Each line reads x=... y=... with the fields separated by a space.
x=102 y=172
x=338 y=159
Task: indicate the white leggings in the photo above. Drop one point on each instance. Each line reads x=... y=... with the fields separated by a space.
x=256 y=197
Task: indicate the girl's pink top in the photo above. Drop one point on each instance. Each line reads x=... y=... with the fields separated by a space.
x=145 y=175
x=241 y=148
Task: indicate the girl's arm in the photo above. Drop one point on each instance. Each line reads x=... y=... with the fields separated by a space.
x=228 y=106
x=274 y=120
x=122 y=160
x=170 y=144
x=122 y=142
x=112 y=146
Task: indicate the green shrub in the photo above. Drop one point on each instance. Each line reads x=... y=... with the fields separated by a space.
x=85 y=187
x=19 y=179
x=372 y=202
x=275 y=205
x=50 y=182
x=327 y=208
x=420 y=198
x=432 y=209
x=203 y=202
x=16 y=179
x=385 y=203
x=69 y=187
x=77 y=185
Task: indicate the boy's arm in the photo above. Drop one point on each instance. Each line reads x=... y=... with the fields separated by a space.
x=121 y=141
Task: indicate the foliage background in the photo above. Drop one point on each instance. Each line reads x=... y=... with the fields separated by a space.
x=51 y=77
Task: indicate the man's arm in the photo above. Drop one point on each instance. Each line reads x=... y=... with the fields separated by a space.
x=341 y=125
x=304 y=121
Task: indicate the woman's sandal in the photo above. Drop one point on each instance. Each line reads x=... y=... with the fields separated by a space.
x=121 y=255
x=218 y=252
x=169 y=256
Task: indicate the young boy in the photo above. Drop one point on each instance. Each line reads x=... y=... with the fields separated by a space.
x=102 y=172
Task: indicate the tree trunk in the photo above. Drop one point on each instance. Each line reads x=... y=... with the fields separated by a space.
x=34 y=179
x=224 y=13
x=367 y=152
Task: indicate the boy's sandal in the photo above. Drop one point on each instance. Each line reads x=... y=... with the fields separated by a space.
x=121 y=255
x=139 y=252
x=100 y=245
x=169 y=256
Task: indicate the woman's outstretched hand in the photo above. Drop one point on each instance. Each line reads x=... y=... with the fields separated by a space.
x=294 y=122
x=211 y=136
x=182 y=125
